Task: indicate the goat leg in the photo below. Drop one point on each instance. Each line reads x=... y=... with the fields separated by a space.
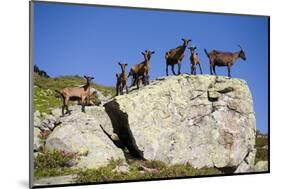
x=147 y=79
x=179 y=68
x=117 y=90
x=66 y=104
x=214 y=69
x=121 y=89
x=134 y=80
x=200 y=68
x=127 y=88
x=83 y=106
x=138 y=82
x=211 y=71
x=67 y=110
x=228 y=68
x=62 y=110
x=167 y=70
x=173 y=69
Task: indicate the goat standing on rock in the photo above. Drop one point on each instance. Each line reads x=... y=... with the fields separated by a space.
x=194 y=61
x=175 y=56
x=122 y=80
x=141 y=70
x=218 y=58
x=80 y=93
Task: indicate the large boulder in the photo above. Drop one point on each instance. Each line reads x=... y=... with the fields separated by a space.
x=87 y=134
x=202 y=120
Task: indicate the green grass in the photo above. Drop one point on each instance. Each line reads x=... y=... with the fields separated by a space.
x=45 y=100
x=53 y=163
x=262 y=153
x=45 y=97
x=105 y=174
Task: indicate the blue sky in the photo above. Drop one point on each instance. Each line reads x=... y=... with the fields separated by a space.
x=87 y=40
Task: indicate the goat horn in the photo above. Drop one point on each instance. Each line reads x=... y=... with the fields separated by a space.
x=240 y=47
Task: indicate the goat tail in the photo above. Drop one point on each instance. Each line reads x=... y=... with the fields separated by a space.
x=207 y=53
x=59 y=92
x=129 y=74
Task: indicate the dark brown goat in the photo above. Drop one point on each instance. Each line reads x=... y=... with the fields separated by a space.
x=218 y=58
x=175 y=56
x=79 y=93
x=141 y=71
x=194 y=60
x=122 y=80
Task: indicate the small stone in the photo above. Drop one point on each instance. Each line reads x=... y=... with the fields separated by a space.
x=121 y=169
x=36 y=121
x=261 y=166
x=36 y=139
x=36 y=114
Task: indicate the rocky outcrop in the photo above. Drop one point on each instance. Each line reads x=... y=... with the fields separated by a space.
x=202 y=120
x=90 y=135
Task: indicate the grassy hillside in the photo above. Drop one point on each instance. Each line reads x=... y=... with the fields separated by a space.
x=45 y=97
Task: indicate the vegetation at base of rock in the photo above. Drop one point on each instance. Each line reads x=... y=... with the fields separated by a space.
x=262 y=147
x=160 y=170
x=53 y=163
x=45 y=97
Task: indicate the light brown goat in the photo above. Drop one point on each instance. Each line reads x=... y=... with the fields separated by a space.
x=141 y=71
x=75 y=93
x=122 y=80
x=218 y=58
x=194 y=61
x=175 y=56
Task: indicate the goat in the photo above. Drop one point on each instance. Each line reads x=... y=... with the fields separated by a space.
x=218 y=58
x=141 y=70
x=194 y=60
x=175 y=56
x=78 y=93
x=122 y=80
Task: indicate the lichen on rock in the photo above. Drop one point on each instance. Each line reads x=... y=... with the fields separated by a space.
x=202 y=120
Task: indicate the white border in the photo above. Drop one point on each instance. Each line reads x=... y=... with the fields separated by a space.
x=14 y=92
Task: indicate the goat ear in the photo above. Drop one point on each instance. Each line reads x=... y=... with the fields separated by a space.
x=126 y=64
x=183 y=39
x=195 y=47
x=85 y=76
x=142 y=53
x=152 y=52
x=119 y=63
x=92 y=77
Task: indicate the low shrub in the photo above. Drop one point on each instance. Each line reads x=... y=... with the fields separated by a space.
x=53 y=163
